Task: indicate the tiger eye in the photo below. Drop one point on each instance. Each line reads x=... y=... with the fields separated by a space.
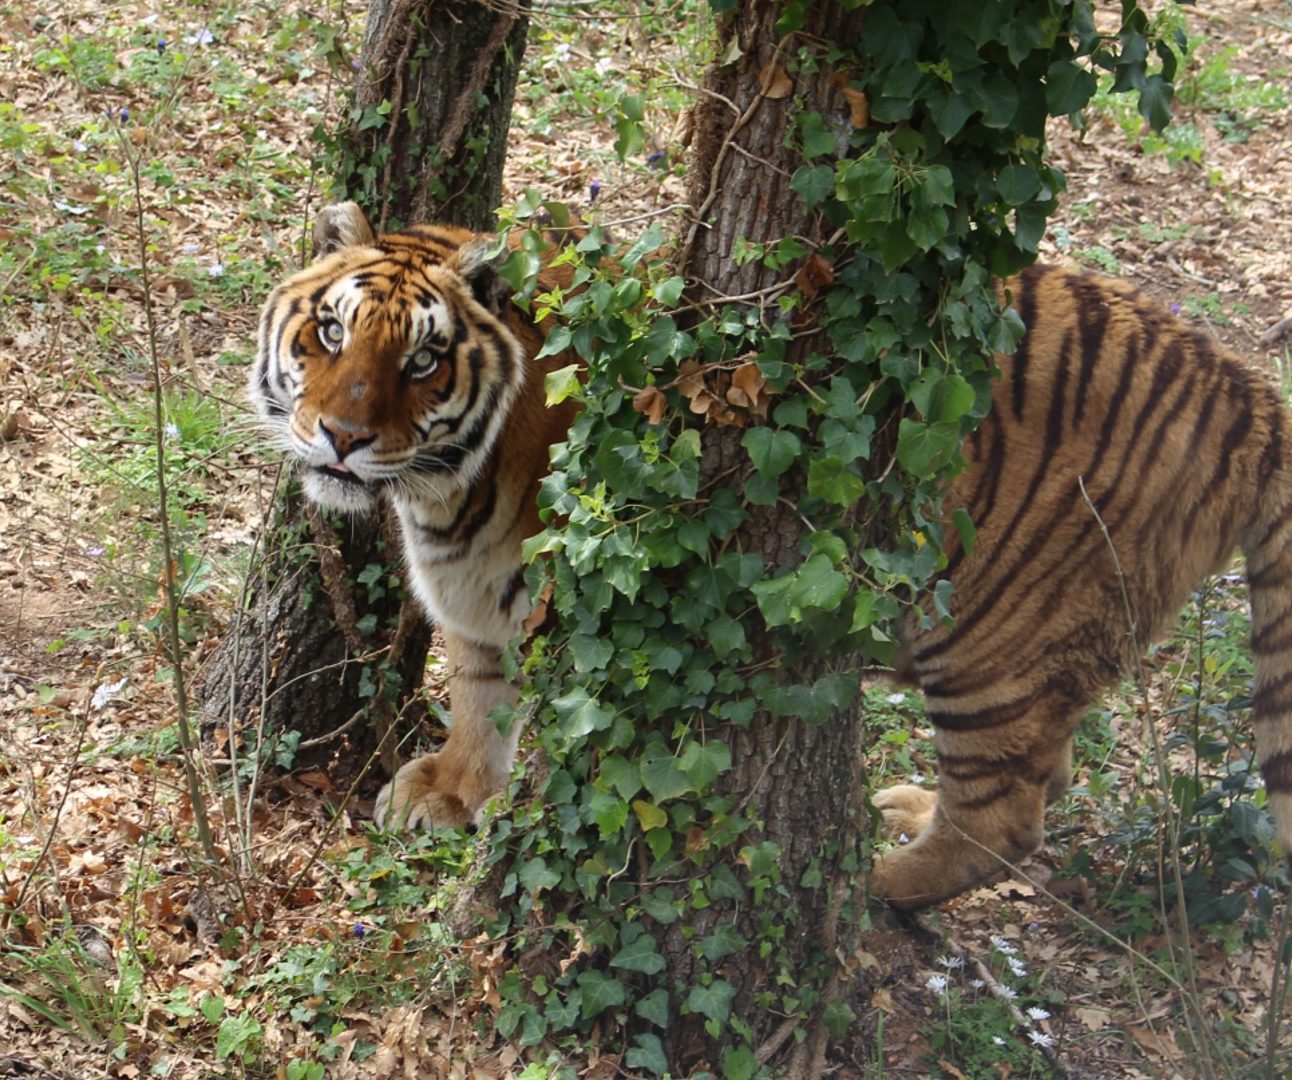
x=331 y=333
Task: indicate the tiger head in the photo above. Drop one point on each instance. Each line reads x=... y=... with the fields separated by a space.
x=388 y=364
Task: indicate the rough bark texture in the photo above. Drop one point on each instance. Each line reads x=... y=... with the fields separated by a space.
x=448 y=70
x=295 y=659
x=802 y=781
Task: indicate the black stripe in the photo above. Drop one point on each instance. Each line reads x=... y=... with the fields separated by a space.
x=981 y=719
x=1277 y=771
x=1265 y=699
x=512 y=589
x=1092 y=317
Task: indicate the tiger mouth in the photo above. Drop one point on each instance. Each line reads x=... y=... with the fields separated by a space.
x=344 y=475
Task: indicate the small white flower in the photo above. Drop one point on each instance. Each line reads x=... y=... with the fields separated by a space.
x=191 y=248
x=202 y=37
x=998 y=1040
x=1041 y=1038
x=1002 y=945
x=603 y=65
x=79 y=146
x=937 y=983
x=215 y=270
x=1007 y=992
x=903 y=839
x=977 y=984
x=896 y=699
x=562 y=52
x=1016 y=966
x=172 y=430
x=951 y=962
x=1038 y=1014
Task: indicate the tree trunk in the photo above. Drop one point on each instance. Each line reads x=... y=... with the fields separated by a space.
x=446 y=71
x=327 y=645
x=801 y=781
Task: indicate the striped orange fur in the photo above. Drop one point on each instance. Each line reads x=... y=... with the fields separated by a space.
x=1181 y=451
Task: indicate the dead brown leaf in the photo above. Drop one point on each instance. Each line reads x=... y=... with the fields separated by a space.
x=651 y=403
x=775 y=83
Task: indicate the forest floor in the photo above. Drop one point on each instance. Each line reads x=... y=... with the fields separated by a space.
x=117 y=955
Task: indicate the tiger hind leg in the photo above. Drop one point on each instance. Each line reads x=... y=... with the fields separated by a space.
x=987 y=812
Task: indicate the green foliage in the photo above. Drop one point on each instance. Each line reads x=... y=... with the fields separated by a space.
x=650 y=676
x=1224 y=845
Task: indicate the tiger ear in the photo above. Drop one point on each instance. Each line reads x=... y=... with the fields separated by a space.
x=478 y=261
x=341 y=225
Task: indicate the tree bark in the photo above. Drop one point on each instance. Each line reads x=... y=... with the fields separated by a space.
x=801 y=781
x=327 y=645
x=443 y=74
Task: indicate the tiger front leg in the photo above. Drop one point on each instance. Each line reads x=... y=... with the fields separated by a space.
x=988 y=812
x=450 y=788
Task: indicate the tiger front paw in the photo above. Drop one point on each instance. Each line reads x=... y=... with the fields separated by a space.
x=907 y=809
x=423 y=794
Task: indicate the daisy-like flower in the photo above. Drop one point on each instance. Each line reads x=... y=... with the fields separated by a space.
x=951 y=962
x=977 y=984
x=1017 y=967
x=998 y=1040
x=937 y=983
x=1001 y=945
x=1007 y=992
x=1038 y=1014
x=1040 y=1038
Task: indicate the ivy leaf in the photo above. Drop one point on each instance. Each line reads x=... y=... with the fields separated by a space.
x=712 y=1002
x=663 y=779
x=649 y=815
x=580 y=714
x=622 y=774
x=640 y=955
x=535 y=875
x=1155 y=101
x=813 y=183
x=771 y=451
x=1018 y=183
x=648 y=1054
x=831 y=480
x=704 y=762
x=923 y=448
x=599 y=992
x=1068 y=87
x=654 y=1006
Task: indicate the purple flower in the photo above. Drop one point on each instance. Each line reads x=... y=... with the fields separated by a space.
x=1175 y=309
x=657 y=157
x=594 y=189
x=124 y=115
x=161 y=45
x=360 y=929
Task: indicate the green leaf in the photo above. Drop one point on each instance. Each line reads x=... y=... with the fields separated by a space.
x=1155 y=101
x=817 y=138
x=771 y=451
x=1018 y=183
x=590 y=653
x=608 y=811
x=621 y=774
x=669 y=291
x=704 y=762
x=1068 y=87
x=654 y=1006
x=739 y=1063
x=648 y=1054
x=923 y=448
x=599 y=992
x=535 y=875
x=663 y=779
x=712 y=1001
x=580 y=714
x=640 y=955
x=813 y=183
x=563 y=383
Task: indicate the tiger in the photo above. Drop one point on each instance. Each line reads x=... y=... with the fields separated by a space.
x=1124 y=458
x=397 y=367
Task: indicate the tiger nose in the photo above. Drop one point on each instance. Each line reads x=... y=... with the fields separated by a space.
x=345 y=437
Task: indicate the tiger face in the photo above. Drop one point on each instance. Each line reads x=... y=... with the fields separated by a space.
x=387 y=363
